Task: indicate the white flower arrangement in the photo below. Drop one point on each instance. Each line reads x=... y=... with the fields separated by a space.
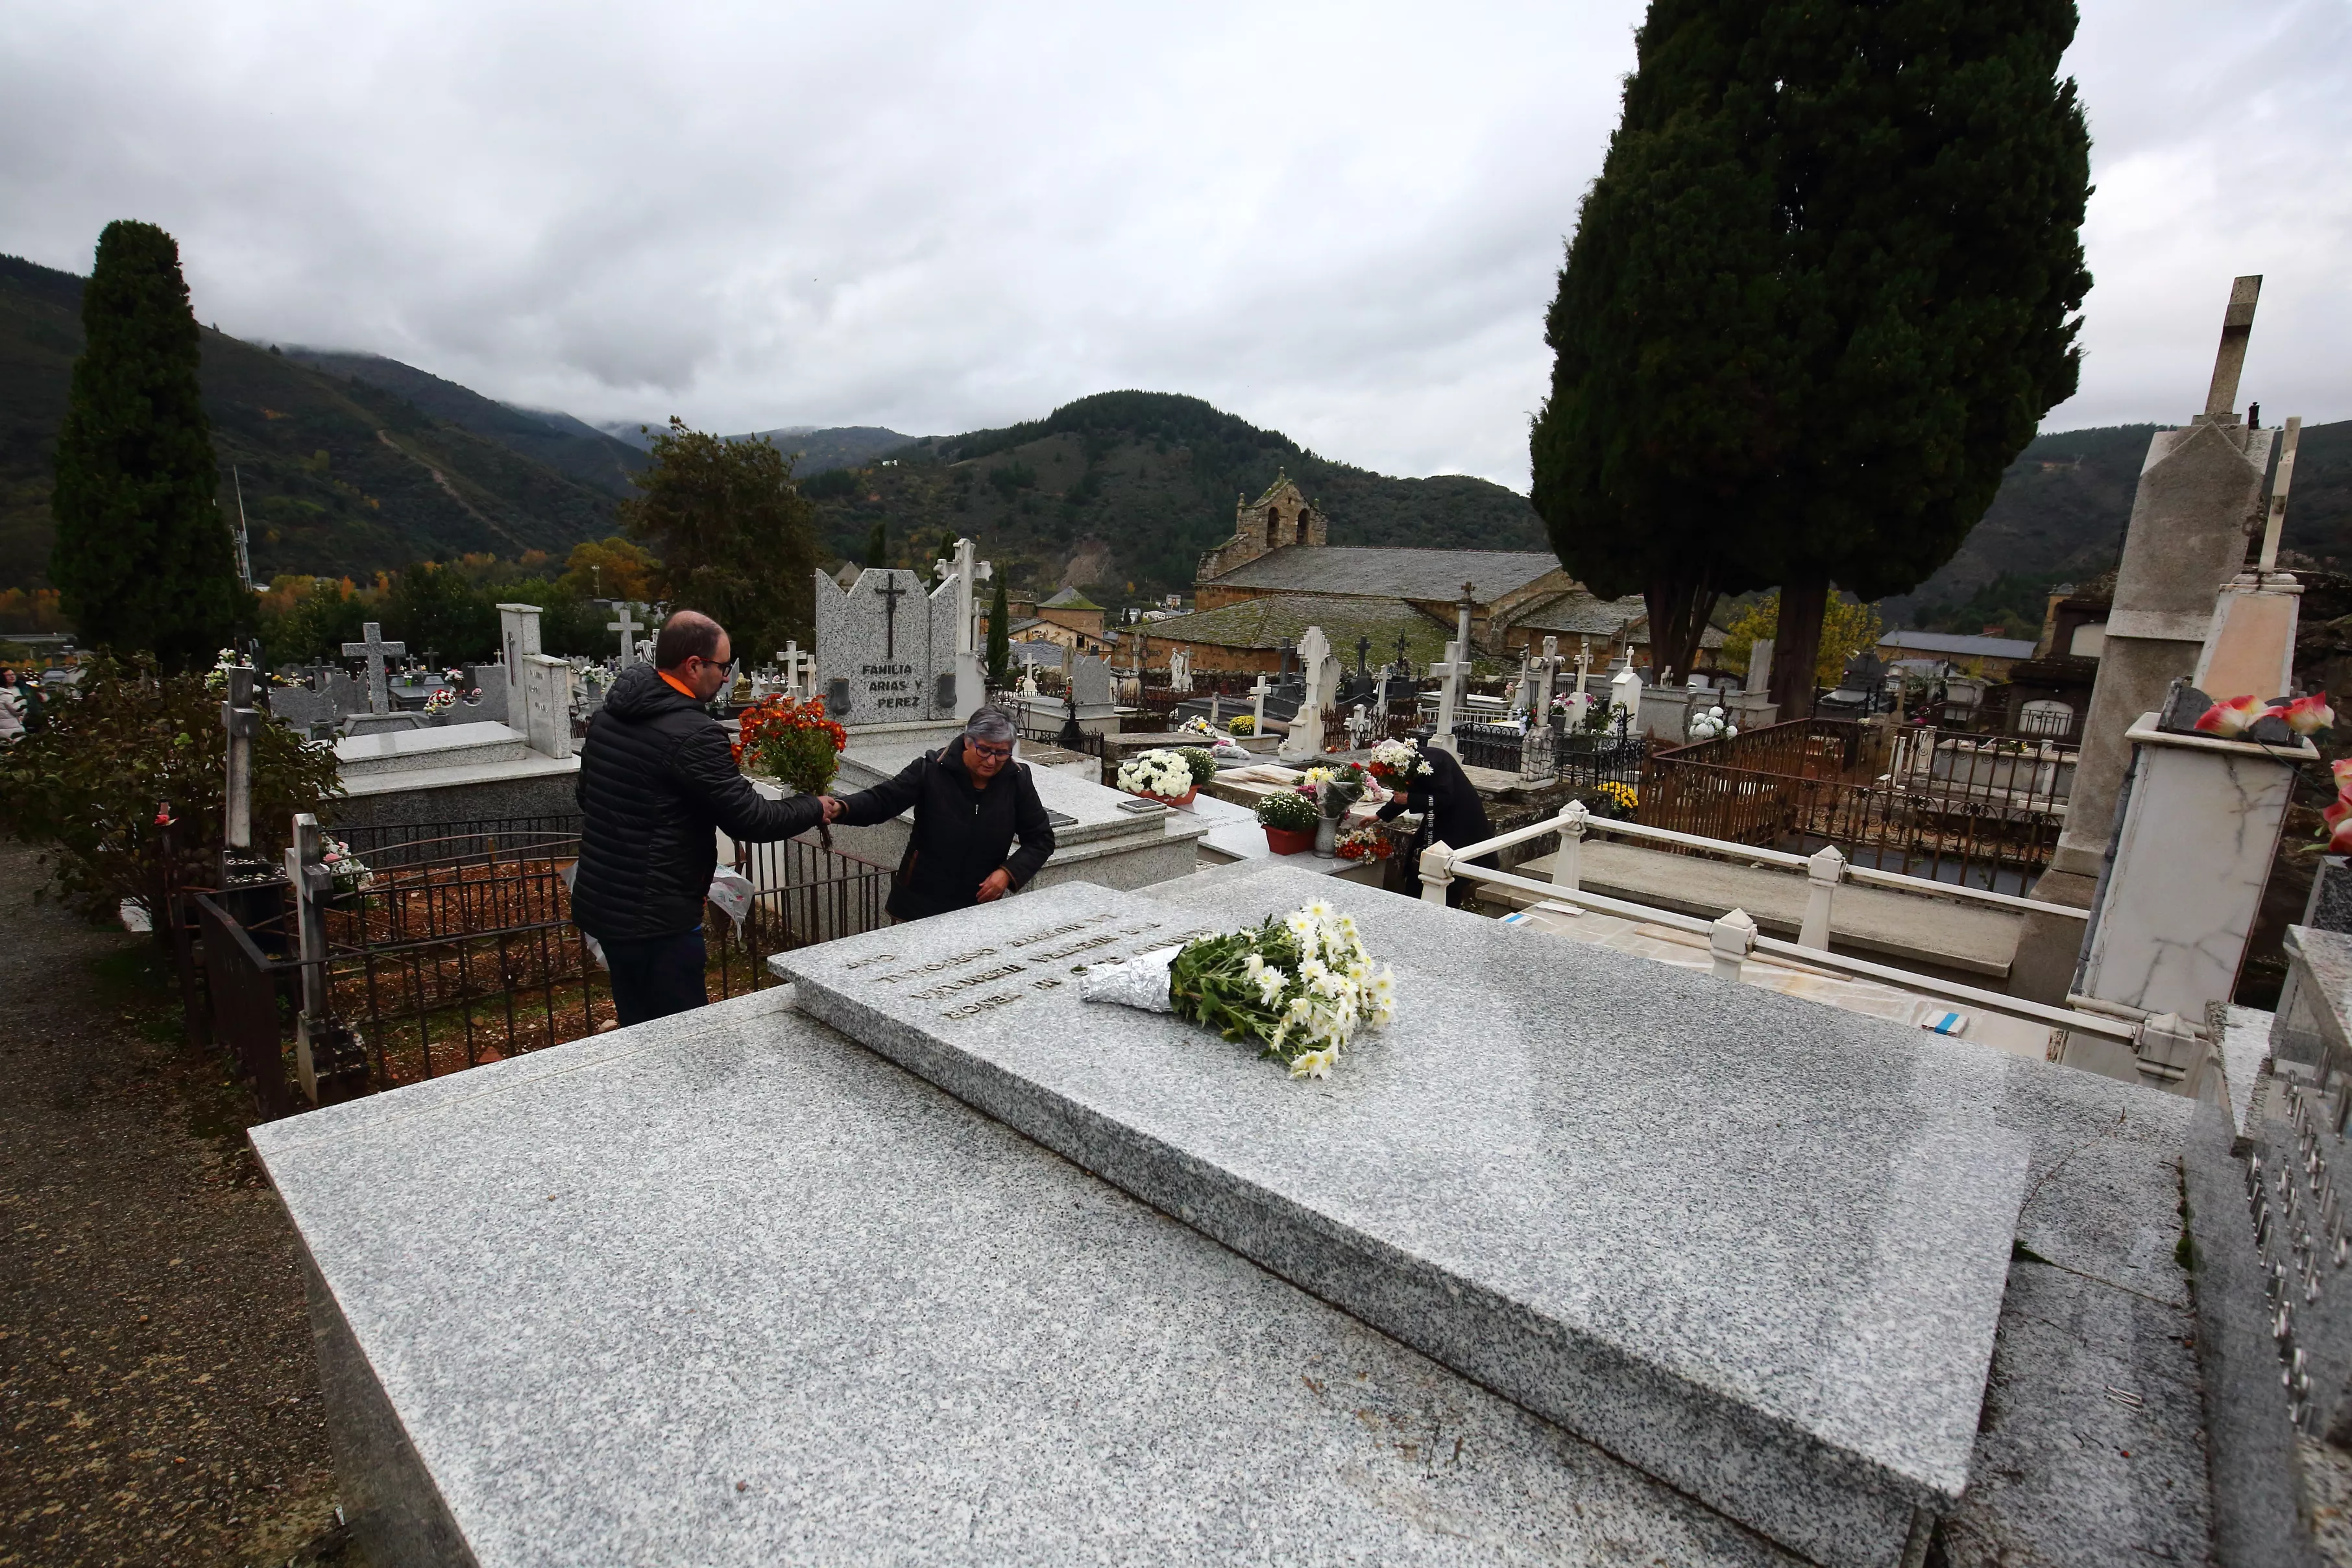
x=216 y=678
x=1300 y=987
x=1710 y=726
x=1398 y=761
x=441 y=701
x=1158 y=772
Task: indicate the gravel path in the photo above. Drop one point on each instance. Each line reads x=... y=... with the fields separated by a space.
x=158 y=1401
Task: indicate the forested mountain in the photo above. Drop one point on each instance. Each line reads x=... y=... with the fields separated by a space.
x=353 y=464
x=561 y=442
x=1131 y=486
x=339 y=475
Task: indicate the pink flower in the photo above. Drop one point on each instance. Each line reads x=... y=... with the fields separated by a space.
x=2340 y=840
x=2232 y=718
x=2308 y=715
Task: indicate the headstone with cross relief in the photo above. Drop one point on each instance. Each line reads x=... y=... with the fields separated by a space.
x=886 y=649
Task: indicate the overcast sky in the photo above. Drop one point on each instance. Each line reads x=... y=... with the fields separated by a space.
x=1342 y=222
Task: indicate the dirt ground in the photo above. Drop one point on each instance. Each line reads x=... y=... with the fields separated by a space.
x=158 y=1401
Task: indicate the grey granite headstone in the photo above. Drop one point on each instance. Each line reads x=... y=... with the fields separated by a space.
x=348 y=694
x=490 y=682
x=882 y=646
x=1754 y=1246
x=310 y=713
x=1090 y=681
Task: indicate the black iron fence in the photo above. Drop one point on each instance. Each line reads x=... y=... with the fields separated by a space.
x=459 y=948
x=1976 y=810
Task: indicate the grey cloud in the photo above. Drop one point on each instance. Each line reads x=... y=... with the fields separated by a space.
x=1342 y=220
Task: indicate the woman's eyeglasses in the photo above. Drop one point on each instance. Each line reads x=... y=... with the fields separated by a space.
x=999 y=752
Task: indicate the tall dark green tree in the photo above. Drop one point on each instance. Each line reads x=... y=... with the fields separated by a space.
x=735 y=537
x=143 y=558
x=878 y=544
x=1000 y=636
x=1822 y=292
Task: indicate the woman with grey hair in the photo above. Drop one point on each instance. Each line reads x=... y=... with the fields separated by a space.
x=971 y=802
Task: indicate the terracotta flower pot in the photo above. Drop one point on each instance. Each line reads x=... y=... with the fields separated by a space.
x=1174 y=803
x=1288 y=840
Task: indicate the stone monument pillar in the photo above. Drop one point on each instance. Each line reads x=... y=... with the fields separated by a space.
x=242 y=721
x=518 y=639
x=2187 y=536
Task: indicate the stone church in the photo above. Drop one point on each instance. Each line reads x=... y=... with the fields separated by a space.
x=1278 y=575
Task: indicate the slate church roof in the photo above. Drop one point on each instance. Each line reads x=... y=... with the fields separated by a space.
x=1265 y=621
x=1376 y=571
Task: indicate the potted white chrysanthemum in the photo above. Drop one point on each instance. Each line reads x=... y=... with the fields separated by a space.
x=1159 y=774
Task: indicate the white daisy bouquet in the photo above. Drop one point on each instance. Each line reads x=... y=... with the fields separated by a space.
x=1162 y=773
x=1299 y=986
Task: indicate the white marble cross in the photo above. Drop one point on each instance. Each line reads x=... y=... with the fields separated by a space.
x=795 y=664
x=1257 y=705
x=628 y=626
x=1451 y=673
x=1583 y=663
x=375 y=650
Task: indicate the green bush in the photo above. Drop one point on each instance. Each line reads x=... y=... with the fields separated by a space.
x=1200 y=760
x=126 y=784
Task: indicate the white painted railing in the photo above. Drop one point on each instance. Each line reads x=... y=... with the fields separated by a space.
x=1733 y=936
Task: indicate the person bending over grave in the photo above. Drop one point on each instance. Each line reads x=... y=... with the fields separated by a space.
x=1451 y=812
x=657 y=782
x=971 y=802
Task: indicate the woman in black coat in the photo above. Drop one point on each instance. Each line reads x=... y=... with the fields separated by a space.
x=971 y=802
x=1451 y=812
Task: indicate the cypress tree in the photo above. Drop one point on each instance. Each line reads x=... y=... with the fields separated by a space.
x=142 y=557
x=1820 y=296
x=878 y=544
x=1000 y=637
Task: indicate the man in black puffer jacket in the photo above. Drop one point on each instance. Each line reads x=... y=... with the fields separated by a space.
x=971 y=802
x=658 y=781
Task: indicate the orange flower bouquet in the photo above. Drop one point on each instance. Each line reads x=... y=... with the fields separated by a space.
x=793 y=743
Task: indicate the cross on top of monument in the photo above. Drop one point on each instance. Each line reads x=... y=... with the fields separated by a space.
x=628 y=626
x=375 y=650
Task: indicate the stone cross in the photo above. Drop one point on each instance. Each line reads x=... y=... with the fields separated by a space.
x=968 y=572
x=1257 y=705
x=242 y=721
x=1583 y=663
x=1549 y=671
x=375 y=650
x=1317 y=665
x=1468 y=602
x=628 y=626
x=795 y=664
x=1451 y=673
x=310 y=882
